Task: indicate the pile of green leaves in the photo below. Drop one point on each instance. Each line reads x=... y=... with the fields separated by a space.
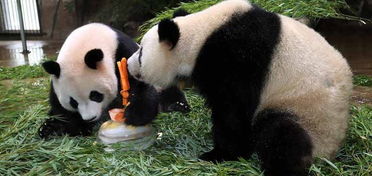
x=293 y=8
x=24 y=106
x=362 y=80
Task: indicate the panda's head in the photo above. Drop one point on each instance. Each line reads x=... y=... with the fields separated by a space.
x=87 y=90
x=83 y=77
x=155 y=61
x=169 y=49
x=163 y=55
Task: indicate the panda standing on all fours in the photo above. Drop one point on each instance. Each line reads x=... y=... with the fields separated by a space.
x=275 y=86
x=85 y=84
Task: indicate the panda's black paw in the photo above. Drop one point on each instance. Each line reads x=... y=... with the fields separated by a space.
x=130 y=120
x=216 y=156
x=58 y=127
x=49 y=128
x=179 y=106
x=138 y=114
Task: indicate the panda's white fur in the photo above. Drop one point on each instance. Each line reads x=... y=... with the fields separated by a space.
x=319 y=74
x=306 y=76
x=75 y=81
x=181 y=60
x=85 y=84
x=316 y=88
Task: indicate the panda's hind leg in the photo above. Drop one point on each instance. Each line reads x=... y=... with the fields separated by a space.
x=283 y=146
x=173 y=99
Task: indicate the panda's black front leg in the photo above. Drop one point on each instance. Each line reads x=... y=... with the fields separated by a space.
x=173 y=99
x=143 y=107
x=62 y=121
x=58 y=126
x=231 y=137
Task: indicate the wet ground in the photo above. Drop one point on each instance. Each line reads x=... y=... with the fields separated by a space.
x=11 y=56
x=362 y=96
x=353 y=39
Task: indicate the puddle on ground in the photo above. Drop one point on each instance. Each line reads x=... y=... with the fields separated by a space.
x=362 y=96
x=353 y=40
x=11 y=56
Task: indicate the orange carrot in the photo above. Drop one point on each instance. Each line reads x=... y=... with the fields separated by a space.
x=118 y=114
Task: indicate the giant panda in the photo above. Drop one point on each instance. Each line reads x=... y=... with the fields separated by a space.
x=85 y=84
x=275 y=86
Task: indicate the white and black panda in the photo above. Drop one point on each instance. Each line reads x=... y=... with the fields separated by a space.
x=275 y=86
x=85 y=84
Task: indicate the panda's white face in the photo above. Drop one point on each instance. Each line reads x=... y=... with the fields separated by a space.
x=84 y=78
x=88 y=95
x=87 y=88
x=154 y=62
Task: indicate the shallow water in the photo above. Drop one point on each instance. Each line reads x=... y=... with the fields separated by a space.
x=362 y=95
x=353 y=40
x=11 y=56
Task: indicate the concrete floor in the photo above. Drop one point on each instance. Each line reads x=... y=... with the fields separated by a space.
x=11 y=56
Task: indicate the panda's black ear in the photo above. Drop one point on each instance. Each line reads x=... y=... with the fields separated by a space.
x=52 y=67
x=93 y=57
x=168 y=32
x=180 y=12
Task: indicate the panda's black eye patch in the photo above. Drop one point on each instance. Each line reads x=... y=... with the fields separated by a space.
x=139 y=57
x=74 y=103
x=96 y=96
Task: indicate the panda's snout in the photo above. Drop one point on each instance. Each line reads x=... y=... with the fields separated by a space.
x=134 y=67
x=92 y=119
x=138 y=76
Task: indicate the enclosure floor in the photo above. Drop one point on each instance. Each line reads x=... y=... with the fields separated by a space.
x=11 y=56
x=353 y=39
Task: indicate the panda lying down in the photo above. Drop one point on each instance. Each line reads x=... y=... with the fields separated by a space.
x=275 y=86
x=85 y=84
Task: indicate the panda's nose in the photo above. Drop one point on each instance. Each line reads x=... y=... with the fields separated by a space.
x=138 y=76
x=92 y=119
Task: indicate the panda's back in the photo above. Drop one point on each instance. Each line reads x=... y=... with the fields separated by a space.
x=311 y=79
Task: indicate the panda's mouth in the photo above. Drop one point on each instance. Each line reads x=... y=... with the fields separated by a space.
x=138 y=76
x=95 y=118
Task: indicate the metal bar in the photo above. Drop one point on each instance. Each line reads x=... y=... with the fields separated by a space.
x=2 y=17
x=23 y=37
x=14 y=15
x=7 y=14
x=32 y=16
x=55 y=18
x=35 y=22
x=39 y=14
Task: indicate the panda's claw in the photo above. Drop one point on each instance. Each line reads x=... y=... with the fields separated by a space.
x=47 y=128
x=178 y=106
x=217 y=156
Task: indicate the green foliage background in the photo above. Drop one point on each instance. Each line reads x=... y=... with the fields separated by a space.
x=312 y=9
x=24 y=106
